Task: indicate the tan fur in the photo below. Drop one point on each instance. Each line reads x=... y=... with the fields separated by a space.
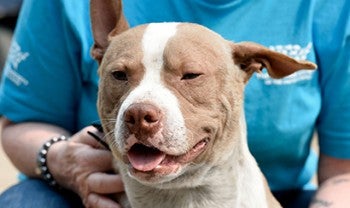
x=225 y=174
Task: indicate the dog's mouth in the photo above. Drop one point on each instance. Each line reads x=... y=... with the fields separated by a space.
x=151 y=160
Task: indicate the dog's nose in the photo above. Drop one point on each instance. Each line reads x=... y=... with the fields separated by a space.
x=143 y=120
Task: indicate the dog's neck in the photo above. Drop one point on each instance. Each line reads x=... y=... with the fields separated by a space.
x=233 y=183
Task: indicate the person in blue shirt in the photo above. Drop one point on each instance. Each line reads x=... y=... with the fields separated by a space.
x=50 y=82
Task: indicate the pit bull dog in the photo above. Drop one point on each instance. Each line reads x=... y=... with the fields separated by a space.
x=171 y=103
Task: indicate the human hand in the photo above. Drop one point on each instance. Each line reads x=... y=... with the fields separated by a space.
x=81 y=165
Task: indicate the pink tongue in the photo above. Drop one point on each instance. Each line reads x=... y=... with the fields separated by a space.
x=144 y=158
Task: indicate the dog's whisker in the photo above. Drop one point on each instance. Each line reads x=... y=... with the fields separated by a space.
x=108 y=134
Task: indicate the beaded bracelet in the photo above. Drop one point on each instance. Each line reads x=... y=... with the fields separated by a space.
x=42 y=168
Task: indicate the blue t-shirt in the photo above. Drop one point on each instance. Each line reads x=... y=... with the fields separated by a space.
x=50 y=76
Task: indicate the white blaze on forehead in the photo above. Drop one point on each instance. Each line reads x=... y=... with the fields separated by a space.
x=153 y=91
x=154 y=41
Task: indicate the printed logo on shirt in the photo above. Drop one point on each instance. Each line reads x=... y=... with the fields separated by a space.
x=15 y=57
x=297 y=52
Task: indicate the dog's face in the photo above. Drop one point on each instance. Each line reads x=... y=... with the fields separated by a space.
x=168 y=92
x=170 y=95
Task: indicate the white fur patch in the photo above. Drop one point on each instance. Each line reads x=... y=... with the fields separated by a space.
x=154 y=42
x=152 y=90
x=250 y=179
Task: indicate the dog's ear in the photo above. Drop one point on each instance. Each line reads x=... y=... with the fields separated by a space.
x=252 y=57
x=107 y=20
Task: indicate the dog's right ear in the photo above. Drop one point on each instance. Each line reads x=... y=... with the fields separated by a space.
x=107 y=20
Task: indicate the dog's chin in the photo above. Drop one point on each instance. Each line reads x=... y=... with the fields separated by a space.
x=149 y=165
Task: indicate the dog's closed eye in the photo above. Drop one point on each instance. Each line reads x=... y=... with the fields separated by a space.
x=188 y=76
x=120 y=75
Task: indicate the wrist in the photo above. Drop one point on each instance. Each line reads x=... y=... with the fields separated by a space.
x=43 y=169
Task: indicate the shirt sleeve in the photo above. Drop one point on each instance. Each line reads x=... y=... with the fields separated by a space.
x=332 y=42
x=41 y=80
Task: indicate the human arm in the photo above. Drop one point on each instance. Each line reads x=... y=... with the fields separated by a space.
x=23 y=154
x=78 y=165
x=47 y=80
x=332 y=42
x=334 y=180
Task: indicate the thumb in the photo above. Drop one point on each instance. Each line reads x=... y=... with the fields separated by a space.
x=89 y=136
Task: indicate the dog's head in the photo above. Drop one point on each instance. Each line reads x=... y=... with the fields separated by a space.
x=170 y=97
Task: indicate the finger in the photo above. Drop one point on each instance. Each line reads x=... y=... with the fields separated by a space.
x=103 y=183
x=95 y=200
x=98 y=126
x=85 y=138
x=99 y=139
x=97 y=133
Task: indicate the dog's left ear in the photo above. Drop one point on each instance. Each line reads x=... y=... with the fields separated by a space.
x=107 y=20
x=252 y=57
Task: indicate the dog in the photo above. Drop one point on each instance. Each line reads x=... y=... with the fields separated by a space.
x=171 y=103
